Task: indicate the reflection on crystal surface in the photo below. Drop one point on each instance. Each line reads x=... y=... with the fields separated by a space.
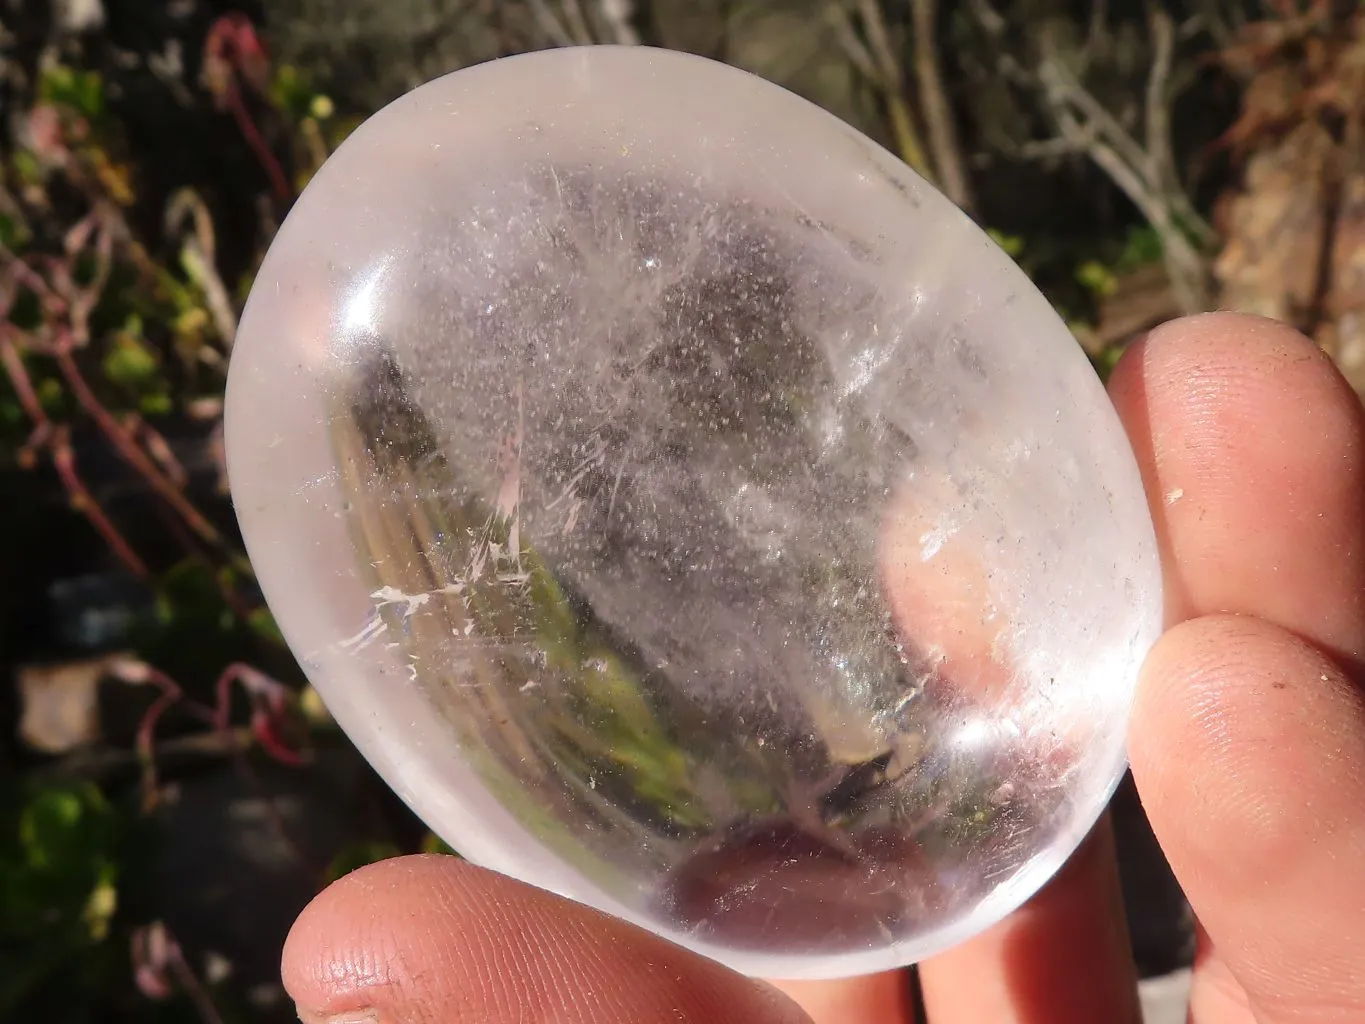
x=674 y=545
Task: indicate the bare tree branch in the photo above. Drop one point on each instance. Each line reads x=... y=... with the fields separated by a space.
x=878 y=63
x=1157 y=113
x=852 y=46
x=549 y=24
x=988 y=18
x=879 y=39
x=1145 y=172
x=938 y=114
x=1098 y=27
x=577 y=22
x=618 y=16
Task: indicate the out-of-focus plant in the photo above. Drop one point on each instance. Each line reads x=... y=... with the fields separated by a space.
x=115 y=328
x=78 y=292
x=63 y=850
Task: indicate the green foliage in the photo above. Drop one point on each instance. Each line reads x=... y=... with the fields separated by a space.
x=63 y=854
x=293 y=94
x=1012 y=245
x=263 y=624
x=132 y=364
x=1141 y=248
x=79 y=91
x=1098 y=279
x=14 y=233
x=194 y=631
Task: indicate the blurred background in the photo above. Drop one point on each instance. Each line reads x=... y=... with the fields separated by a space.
x=171 y=791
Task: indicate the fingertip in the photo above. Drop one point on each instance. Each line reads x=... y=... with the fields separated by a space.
x=334 y=959
x=1240 y=341
x=1248 y=748
x=1252 y=451
x=435 y=938
x=1240 y=731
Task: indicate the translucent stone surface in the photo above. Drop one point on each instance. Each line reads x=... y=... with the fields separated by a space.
x=688 y=511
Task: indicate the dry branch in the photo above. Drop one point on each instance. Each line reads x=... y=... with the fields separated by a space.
x=938 y=114
x=618 y=16
x=876 y=59
x=1145 y=171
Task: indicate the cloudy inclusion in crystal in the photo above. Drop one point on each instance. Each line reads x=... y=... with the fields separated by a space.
x=688 y=511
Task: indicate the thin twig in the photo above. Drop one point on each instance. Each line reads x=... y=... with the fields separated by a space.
x=1188 y=270
x=20 y=380
x=1095 y=31
x=58 y=443
x=549 y=24
x=938 y=113
x=988 y=18
x=101 y=762
x=198 y=253
x=84 y=300
x=256 y=143
x=1161 y=162
x=879 y=40
x=130 y=452
x=579 y=28
x=155 y=952
x=853 y=47
x=157 y=447
x=619 y=15
x=887 y=74
x=1065 y=90
x=64 y=462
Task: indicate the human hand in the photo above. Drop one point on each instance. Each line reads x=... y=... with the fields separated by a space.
x=1247 y=745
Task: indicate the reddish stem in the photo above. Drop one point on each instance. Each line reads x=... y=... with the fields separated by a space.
x=64 y=461
x=129 y=450
x=19 y=378
x=278 y=184
x=157 y=447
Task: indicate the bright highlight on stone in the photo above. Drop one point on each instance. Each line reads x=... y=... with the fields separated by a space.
x=687 y=510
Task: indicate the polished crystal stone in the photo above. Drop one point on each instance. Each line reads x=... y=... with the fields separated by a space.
x=687 y=510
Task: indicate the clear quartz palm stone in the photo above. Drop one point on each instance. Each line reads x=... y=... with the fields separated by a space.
x=688 y=511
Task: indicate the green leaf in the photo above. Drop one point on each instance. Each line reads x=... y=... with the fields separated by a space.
x=64 y=856
x=79 y=91
x=263 y=624
x=101 y=906
x=13 y=234
x=130 y=361
x=46 y=823
x=1013 y=245
x=27 y=168
x=1141 y=248
x=157 y=404
x=1096 y=278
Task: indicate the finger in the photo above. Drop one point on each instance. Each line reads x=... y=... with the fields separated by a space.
x=1250 y=444
x=1249 y=745
x=433 y=939
x=872 y=999
x=1251 y=447
x=1211 y=405
x=1062 y=959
